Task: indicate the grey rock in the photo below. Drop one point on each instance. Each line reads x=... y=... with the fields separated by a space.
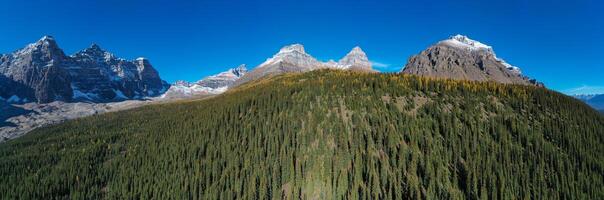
x=40 y=67
x=207 y=86
x=43 y=73
x=223 y=79
x=356 y=59
x=19 y=119
x=464 y=59
x=293 y=58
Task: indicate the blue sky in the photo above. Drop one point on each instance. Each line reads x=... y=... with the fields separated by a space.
x=557 y=42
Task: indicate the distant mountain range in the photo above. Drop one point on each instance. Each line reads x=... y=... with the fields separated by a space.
x=210 y=85
x=594 y=100
x=41 y=72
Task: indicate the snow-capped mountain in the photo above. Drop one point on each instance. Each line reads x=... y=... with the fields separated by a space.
x=42 y=73
x=460 y=57
x=594 y=100
x=293 y=58
x=210 y=85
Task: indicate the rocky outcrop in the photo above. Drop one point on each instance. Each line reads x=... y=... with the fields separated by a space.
x=293 y=58
x=460 y=57
x=43 y=73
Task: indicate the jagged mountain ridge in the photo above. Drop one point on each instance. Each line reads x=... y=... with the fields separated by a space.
x=293 y=58
x=210 y=85
x=43 y=73
x=460 y=57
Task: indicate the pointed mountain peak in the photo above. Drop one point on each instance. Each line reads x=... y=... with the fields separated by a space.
x=356 y=58
x=95 y=46
x=240 y=70
x=357 y=51
x=47 y=38
x=94 y=49
x=47 y=41
x=46 y=44
x=96 y=52
x=292 y=48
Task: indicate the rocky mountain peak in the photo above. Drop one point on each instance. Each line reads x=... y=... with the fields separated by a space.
x=239 y=70
x=460 y=57
x=94 y=51
x=42 y=72
x=356 y=58
x=95 y=46
x=297 y=48
x=464 y=42
x=47 y=39
x=46 y=47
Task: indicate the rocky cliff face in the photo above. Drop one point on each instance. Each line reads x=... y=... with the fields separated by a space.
x=460 y=57
x=38 y=70
x=293 y=58
x=42 y=73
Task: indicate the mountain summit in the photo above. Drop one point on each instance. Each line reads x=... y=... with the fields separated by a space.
x=293 y=58
x=460 y=57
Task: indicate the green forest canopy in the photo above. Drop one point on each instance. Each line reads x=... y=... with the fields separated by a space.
x=323 y=135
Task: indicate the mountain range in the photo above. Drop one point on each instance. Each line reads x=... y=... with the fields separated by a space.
x=293 y=58
x=210 y=85
x=41 y=72
x=594 y=100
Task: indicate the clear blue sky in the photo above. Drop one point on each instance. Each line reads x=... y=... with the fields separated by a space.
x=557 y=42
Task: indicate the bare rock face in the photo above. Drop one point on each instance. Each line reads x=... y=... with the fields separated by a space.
x=462 y=58
x=39 y=67
x=293 y=58
x=356 y=59
x=223 y=79
x=42 y=73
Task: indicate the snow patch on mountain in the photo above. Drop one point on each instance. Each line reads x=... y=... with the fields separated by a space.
x=211 y=85
x=464 y=42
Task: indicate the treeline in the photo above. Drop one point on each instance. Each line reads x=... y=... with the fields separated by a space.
x=323 y=135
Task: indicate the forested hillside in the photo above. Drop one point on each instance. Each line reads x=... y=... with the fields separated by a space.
x=323 y=135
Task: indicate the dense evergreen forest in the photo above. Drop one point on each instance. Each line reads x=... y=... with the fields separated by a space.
x=323 y=135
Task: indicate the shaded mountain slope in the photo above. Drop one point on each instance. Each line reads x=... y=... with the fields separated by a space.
x=321 y=135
